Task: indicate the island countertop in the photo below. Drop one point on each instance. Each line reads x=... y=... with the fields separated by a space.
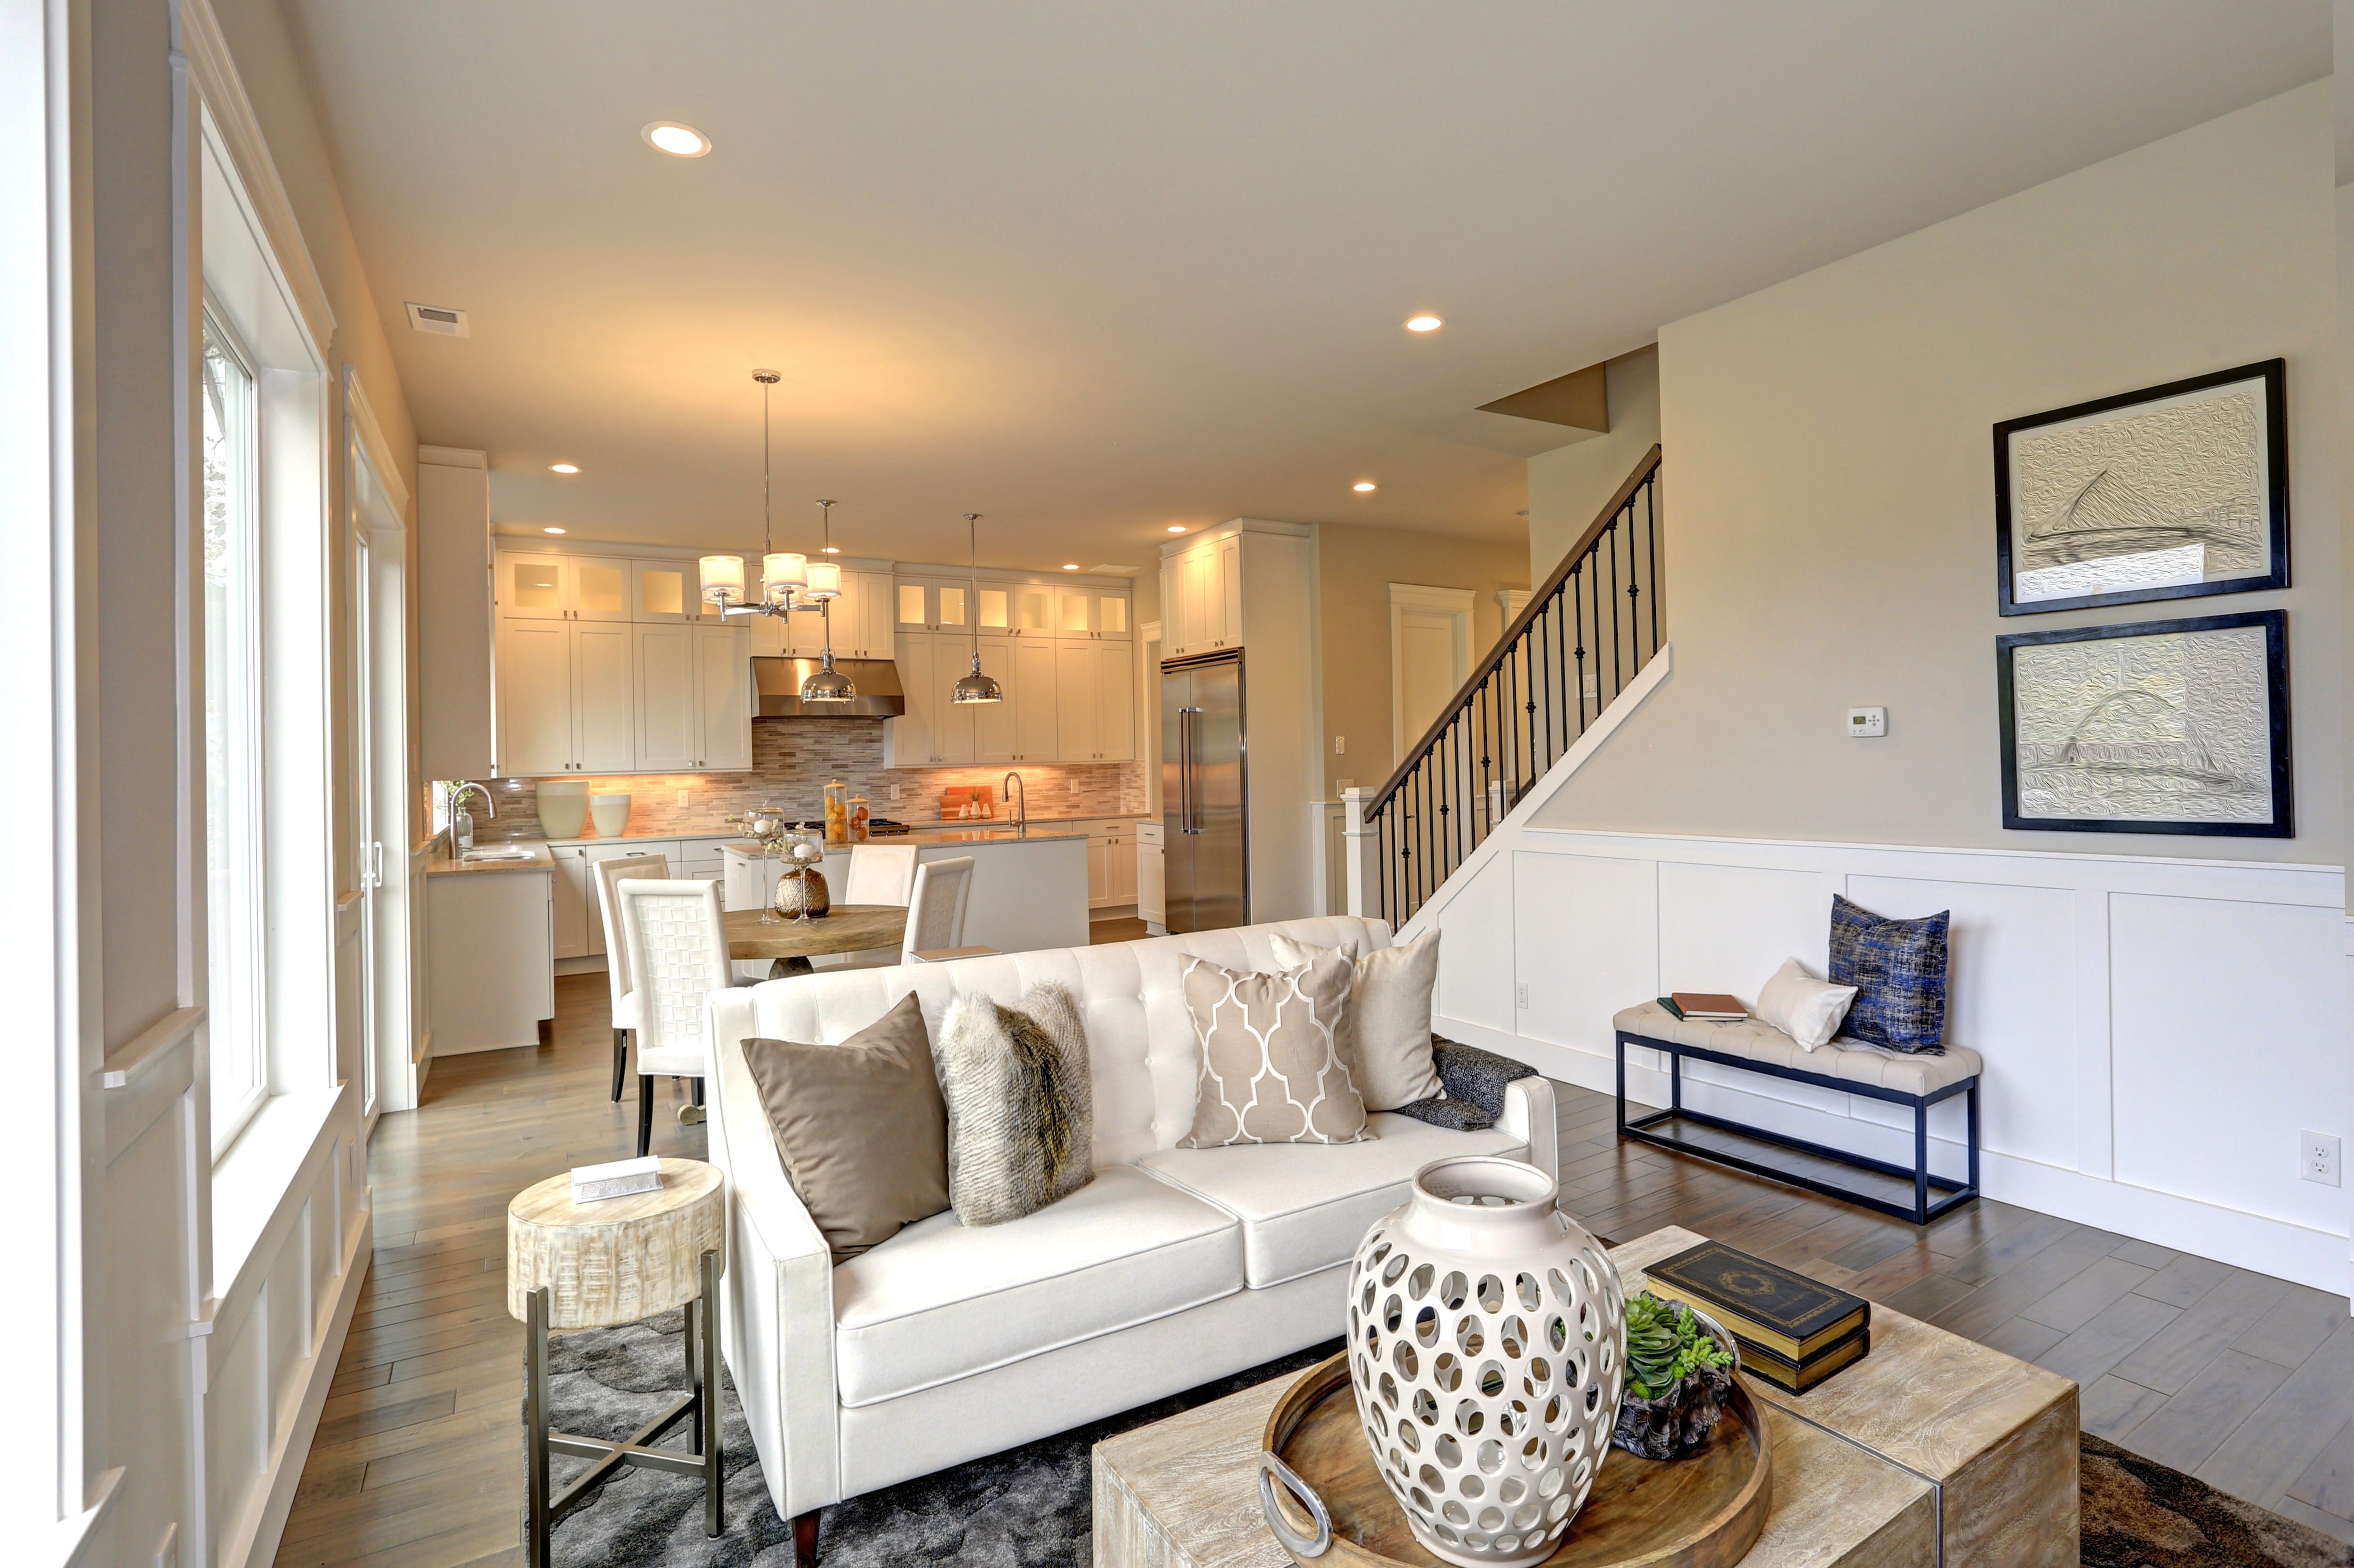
x=441 y=862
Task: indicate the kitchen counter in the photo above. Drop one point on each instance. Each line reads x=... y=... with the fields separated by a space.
x=988 y=827
x=443 y=863
x=978 y=833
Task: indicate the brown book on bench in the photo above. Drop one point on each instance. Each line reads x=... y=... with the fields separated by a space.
x=1709 y=1006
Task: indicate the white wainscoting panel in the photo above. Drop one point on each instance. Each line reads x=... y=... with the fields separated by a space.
x=2216 y=1001
x=2175 y=1119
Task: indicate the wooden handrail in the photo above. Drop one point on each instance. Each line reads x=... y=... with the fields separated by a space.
x=1642 y=473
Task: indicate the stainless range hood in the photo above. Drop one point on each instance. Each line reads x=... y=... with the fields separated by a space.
x=777 y=684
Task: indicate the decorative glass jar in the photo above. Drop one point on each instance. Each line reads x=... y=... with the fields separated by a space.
x=801 y=893
x=1486 y=1335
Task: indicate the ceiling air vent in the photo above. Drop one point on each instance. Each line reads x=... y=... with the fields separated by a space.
x=438 y=318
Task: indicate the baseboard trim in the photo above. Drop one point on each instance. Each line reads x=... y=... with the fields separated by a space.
x=2317 y=1259
x=294 y=1449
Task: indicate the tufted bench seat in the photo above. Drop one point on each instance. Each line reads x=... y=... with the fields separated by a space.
x=1918 y=1079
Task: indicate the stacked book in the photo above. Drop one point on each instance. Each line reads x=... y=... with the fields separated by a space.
x=1704 y=1006
x=1794 y=1331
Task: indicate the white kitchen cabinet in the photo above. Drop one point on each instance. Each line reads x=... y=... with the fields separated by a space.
x=663 y=593
x=1091 y=612
x=1202 y=597
x=1228 y=631
x=572 y=893
x=933 y=732
x=928 y=605
x=694 y=701
x=1032 y=691
x=1152 y=885
x=1034 y=610
x=534 y=586
x=1095 y=696
x=864 y=623
x=566 y=698
x=1111 y=863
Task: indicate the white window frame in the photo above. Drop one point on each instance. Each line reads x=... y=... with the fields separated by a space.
x=246 y=939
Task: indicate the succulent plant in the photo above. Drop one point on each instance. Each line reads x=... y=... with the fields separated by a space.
x=1664 y=1345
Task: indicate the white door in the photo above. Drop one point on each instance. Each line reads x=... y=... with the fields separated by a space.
x=604 y=698
x=723 y=694
x=1115 y=694
x=1077 y=737
x=1430 y=655
x=1033 y=691
x=534 y=697
x=666 y=711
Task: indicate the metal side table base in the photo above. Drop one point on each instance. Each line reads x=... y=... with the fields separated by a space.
x=701 y=1405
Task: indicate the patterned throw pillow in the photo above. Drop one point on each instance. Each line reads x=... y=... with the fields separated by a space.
x=1898 y=968
x=1021 y=1105
x=1272 y=1066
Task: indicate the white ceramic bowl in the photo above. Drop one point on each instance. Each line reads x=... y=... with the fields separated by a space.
x=563 y=807
x=611 y=813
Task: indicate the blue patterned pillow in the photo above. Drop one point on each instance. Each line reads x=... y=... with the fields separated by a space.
x=1898 y=968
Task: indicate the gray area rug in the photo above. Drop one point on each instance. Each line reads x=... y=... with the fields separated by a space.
x=1026 y=1507
x=1029 y=1507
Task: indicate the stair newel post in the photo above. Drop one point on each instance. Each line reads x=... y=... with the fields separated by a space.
x=1360 y=842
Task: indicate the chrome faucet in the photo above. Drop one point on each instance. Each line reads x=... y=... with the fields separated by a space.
x=462 y=822
x=1014 y=791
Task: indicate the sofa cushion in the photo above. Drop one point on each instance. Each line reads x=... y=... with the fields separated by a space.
x=1912 y=1073
x=940 y=1302
x=1305 y=1206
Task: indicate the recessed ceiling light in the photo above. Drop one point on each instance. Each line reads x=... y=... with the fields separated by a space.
x=1423 y=324
x=551 y=530
x=1362 y=485
x=678 y=141
x=1070 y=566
x=564 y=468
x=829 y=549
x=1176 y=527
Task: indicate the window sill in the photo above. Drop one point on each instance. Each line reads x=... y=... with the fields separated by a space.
x=250 y=1181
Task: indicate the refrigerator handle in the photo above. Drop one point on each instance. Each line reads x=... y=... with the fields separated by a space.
x=1186 y=717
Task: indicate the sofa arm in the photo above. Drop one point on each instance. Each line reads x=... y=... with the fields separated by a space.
x=1529 y=1113
x=776 y=1315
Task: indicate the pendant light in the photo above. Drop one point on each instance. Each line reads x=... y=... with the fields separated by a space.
x=825 y=576
x=782 y=571
x=975 y=687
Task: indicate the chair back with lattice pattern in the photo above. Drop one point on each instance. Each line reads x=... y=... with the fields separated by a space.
x=936 y=911
x=880 y=873
x=616 y=952
x=677 y=947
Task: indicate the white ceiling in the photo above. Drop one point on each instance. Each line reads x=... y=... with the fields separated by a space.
x=1095 y=269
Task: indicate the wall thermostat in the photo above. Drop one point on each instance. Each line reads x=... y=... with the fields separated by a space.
x=1867 y=720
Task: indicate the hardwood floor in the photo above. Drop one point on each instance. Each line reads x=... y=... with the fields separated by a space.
x=2245 y=1381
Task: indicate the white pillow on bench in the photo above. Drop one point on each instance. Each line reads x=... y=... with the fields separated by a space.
x=1807 y=1009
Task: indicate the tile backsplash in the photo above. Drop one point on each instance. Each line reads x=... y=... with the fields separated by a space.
x=792 y=761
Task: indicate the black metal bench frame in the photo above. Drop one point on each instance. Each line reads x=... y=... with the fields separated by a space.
x=1922 y=1209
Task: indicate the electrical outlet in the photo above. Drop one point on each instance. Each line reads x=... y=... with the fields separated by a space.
x=1594 y=685
x=683 y=798
x=1521 y=994
x=1867 y=720
x=2317 y=1157
x=894 y=792
x=1340 y=745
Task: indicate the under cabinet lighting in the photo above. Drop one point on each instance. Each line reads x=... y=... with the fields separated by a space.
x=678 y=141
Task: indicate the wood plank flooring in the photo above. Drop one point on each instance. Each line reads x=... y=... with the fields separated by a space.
x=2245 y=1381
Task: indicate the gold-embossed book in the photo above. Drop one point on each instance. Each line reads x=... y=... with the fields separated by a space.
x=1782 y=1310
x=1796 y=1377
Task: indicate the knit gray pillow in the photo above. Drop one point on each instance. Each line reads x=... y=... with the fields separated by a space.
x=1021 y=1123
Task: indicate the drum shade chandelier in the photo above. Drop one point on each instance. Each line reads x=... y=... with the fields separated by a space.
x=788 y=580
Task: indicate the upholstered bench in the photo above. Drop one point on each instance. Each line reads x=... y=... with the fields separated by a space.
x=1917 y=1079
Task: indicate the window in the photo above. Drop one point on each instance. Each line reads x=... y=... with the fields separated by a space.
x=233 y=849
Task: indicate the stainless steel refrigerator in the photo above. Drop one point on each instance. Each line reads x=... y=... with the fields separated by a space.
x=1205 y=837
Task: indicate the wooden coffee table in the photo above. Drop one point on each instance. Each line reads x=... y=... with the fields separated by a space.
x=1929 y=1433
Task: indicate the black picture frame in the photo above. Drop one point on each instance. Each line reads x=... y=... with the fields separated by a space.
x=2273 y=372
x=2283 y=823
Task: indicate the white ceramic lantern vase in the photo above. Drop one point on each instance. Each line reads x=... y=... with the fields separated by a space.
x=1487 y=1339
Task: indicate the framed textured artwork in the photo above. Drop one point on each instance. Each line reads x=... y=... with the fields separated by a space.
x=2167 y=493
x=2167 y=726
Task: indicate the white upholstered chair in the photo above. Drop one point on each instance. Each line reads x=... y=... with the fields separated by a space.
x=677 y=947
x=936 y=906
x=616 y=953
x=879 y=873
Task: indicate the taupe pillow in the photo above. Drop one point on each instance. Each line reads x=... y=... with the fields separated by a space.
x=1386 y=1032
x=1022 y=1125
x=861 y=1127
x=1273 y=1066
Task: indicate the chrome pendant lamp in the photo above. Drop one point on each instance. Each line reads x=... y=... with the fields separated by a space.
x=827 y=684
x=975 y=687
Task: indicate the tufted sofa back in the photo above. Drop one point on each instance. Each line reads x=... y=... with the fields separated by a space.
x=1139 y=1041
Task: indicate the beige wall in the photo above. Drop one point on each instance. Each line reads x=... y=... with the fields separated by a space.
x=1355 y=567
x=1569 y=486
x=275 y=80
x=1828 y=449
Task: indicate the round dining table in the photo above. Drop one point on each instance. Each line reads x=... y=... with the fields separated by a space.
x=790 y=943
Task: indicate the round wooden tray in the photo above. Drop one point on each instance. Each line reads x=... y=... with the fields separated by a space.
x=1704 y=1511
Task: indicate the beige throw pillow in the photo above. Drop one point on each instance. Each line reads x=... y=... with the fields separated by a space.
x=861 y=1127
x=1021 y=1127
x=1386 y=1034
x=1807 y=1009
x=1273 y=1070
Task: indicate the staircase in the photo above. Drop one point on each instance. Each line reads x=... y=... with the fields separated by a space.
x=1583 y=638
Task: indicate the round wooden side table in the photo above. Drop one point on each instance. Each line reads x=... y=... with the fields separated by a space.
x=596 y=1265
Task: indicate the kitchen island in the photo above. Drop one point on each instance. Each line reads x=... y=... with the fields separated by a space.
x=488 y=975
x=1029 y=889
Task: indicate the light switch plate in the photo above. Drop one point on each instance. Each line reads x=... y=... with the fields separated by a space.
x=1340 y=745
x=1867 y=720
x=2318 y=1156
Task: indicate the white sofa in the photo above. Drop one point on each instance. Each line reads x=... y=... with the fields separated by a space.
x=1171 y=1267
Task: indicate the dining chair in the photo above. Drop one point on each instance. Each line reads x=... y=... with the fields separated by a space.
x=616 y=953
x=678 y=955
x=935 y=913
x=879 y=873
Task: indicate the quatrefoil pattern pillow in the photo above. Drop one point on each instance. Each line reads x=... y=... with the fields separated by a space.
x=1273 y=1067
